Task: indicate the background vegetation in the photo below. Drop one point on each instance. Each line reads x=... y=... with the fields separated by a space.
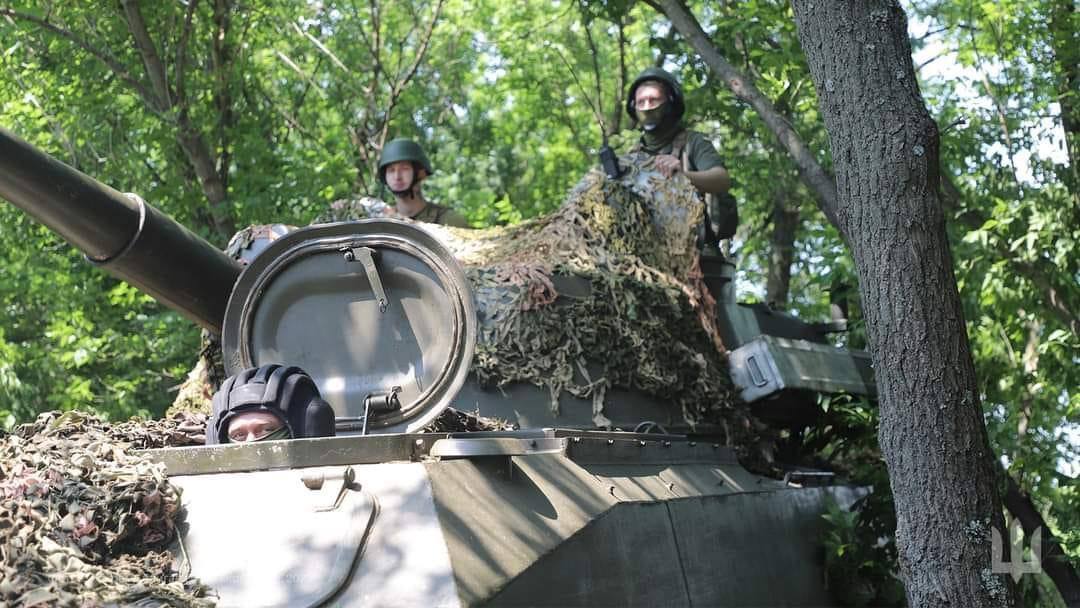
x=226 y=113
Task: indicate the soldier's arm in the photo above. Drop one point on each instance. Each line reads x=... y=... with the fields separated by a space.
x=713 y=181
x=711 y=176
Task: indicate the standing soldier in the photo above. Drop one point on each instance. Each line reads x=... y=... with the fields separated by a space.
x=402 y=167
x=655 y=103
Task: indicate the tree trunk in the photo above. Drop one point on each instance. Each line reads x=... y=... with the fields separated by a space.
x=162 y=99
x=1065 y=42
x=785 y=218
x=885 y=151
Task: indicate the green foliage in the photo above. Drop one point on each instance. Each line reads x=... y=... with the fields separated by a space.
x=73 y=338
x=856 y=563
x=1015 y=225
x=293 y=100
x=860 y=550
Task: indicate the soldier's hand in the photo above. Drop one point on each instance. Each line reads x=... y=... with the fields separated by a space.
x=667 y=164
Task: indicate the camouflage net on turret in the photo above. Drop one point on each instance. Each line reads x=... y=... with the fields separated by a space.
x=647 y=322
x=84 y=521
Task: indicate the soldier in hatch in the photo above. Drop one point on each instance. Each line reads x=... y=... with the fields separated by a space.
x=655 y=103
x=403 y=166
x=268 y=403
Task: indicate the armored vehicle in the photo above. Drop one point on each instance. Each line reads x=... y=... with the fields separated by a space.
x=556 y=513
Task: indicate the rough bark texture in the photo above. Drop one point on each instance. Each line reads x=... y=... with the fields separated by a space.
x=1065 y=41
x=885 y=151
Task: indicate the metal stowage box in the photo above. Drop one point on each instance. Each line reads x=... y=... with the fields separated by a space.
x=767 y=365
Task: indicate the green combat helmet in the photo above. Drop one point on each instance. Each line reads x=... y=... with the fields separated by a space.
x=400 y=149
x=678 y=106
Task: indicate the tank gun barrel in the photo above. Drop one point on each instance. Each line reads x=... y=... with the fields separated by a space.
x=122 y=234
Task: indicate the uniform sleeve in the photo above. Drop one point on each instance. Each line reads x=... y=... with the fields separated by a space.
x=702 y=154
x=453 y=218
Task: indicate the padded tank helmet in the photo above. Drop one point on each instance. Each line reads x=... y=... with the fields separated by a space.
x=287 y=393
x=678 y=105
x=400 y=149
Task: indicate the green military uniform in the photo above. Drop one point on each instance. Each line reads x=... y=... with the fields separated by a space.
x=403 y=149
x=663 y=132
x=700 y=153
x=433 y=213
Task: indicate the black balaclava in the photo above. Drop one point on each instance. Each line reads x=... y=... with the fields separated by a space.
x=658 y=125
x=659 y=137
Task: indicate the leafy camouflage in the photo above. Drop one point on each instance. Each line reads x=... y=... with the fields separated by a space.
x=84 y=520
x=648 y=323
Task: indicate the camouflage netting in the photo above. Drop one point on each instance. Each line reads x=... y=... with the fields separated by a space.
x=84 y=521
x=646 y=323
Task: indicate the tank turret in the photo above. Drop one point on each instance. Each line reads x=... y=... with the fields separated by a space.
x=554 y=513
x=121 y=233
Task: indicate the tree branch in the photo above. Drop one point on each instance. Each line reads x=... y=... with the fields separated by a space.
x=620 y=85
x=222 y=54
x=1053 y=559
x=155 y=70
x=299 y=72
x=1054 y=300
x=399 y=84
x=111 y=62
x=181 y=52
x=604 y=129
x=322 y=48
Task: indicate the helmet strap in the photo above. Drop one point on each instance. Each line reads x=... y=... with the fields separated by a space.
x=411 y=190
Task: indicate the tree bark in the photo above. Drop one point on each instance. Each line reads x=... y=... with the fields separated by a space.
x=785 y=219
x=820 y=183
x=1065 y=42
x=885 y=153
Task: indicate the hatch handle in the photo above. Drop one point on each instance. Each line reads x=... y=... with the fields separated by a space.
x=366 y=256
x=348 y=482
x=381 y=403
x=756 y=375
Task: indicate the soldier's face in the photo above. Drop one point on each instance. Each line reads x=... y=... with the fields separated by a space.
x=649 y=96
x=399 y=175
x=253 y=426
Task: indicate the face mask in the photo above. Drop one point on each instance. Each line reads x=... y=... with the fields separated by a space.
x=279 y=433
x=651 y=119
x=282 y=433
